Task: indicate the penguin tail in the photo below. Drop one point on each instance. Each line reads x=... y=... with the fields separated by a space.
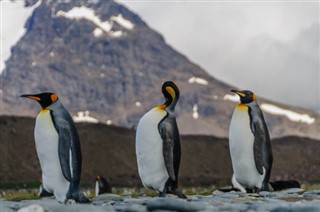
x=284 y=184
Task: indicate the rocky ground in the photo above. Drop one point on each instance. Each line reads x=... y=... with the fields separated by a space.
x=289 y=200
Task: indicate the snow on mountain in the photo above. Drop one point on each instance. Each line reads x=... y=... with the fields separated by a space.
x=123 y=22
x=83 y=12
x=232 y=98
x=198 y=80
x=291 y=115
x=84 y=116
x=195 y=114
x=275 y=110
x=12 y=29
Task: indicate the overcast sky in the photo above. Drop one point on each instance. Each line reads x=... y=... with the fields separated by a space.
x=269 y=47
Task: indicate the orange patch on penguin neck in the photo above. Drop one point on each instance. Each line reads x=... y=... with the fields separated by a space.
x=161 y=107
x=242 y=107
x=45 y=110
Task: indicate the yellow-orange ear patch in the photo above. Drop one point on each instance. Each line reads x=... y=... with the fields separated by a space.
x=254 y=97
x=54 y=98
x=171 y=92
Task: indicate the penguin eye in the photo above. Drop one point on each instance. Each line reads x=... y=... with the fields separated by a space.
x=54 y=98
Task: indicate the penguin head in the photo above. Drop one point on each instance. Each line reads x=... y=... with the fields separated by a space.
x=44 y=99
x=171 y=93
x=246 y=96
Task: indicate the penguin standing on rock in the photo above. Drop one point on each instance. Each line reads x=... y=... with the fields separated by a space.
x=250 y=145
x=58 y=149
x=158 y=148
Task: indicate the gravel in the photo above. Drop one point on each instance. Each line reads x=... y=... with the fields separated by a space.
x=295 y=200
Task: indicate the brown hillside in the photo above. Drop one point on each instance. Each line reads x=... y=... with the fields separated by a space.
x=109 y=151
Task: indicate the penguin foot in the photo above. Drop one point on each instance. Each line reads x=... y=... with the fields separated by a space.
x=78 y=197
x=180 y=194
x=162 y=194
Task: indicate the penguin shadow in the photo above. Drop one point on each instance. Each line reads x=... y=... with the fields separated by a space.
x=273 y=187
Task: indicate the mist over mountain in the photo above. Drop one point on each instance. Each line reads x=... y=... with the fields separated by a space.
x=98 y=56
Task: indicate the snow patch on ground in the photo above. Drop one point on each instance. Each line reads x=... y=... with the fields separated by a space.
x=195 y=114
x=138 y=104
x=291 y=115
x=198 y=80
x=84 y=116
x=232 y=98
x=109 y=122
x=78 y=13
x=12 y=26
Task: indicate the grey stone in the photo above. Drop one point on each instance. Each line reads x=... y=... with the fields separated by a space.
x=10 y=205
x=5 y=209
x=174 y=204
x=229 y=195
x=265 y=194
x=32 y=208
x=107 y=197
x=296 y=209
x=79 y=208
x=293 y=190
x=315 y=193
x=142 y=201
x=131 y=208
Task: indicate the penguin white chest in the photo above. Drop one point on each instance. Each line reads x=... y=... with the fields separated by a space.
x=149 y=150
x=47 y=141
x=241 y=141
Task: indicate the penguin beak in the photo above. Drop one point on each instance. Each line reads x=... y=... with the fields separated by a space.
x=238 y=93
x=30 y=96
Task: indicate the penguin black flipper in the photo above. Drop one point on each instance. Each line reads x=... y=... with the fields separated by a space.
x=69 y=147
x=166 y=132
x=63 y=146
x=259 y=140
x=262 y=145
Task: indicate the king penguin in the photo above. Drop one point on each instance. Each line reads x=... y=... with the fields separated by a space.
x=158 y=147
x=250 y=146
x=58 y=149
x=102 y=186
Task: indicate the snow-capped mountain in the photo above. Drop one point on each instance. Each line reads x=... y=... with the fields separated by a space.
x=101 y=58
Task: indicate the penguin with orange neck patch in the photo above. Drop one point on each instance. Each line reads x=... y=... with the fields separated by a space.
x=250 y=146
x=58 y=149
x=158 y=145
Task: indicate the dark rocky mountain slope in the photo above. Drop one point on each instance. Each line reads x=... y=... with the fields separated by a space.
x=109 y=62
